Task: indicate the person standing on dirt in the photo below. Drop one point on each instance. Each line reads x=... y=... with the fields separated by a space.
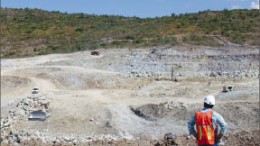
x=207 y=124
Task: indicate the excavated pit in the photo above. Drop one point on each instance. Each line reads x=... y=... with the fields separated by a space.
x=135 y=95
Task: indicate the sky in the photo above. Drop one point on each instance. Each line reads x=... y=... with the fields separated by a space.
x=129 y=8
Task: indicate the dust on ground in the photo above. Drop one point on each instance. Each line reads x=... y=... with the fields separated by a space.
x=129 y=94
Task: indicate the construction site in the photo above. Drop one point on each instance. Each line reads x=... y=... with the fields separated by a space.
x=128 y=96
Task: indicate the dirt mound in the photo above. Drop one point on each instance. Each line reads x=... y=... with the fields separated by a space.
x=163 y=110
x=241 y=115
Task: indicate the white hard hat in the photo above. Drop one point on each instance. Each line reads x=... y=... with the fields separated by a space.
x=210 y=99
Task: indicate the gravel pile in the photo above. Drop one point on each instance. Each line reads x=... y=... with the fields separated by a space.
x=28 y=137
x=34 y=103
x=23 y=109
x=11 y=136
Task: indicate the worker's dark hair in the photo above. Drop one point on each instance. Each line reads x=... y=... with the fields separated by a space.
x=208 y=106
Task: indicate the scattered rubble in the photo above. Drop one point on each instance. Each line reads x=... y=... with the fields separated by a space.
x=35 y=106
x=36 y=138
x=27 y=137
x=25 y=109
x=132 y=71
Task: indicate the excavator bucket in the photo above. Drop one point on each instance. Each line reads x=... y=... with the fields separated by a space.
x=38 y=115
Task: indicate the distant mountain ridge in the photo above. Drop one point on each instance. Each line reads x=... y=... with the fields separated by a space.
x=29 y=32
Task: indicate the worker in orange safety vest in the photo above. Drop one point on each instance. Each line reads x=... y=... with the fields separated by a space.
x=207 y=122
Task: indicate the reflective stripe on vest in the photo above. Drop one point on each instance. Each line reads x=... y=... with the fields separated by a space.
x=209 y=132
x=200 y=133
x=205 y=129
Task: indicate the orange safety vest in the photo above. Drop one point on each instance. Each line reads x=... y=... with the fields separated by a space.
x=205 y=129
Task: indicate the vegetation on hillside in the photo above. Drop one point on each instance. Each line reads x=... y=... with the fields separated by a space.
x=27 y=32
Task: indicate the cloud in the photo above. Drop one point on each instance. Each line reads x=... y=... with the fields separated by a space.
x=255 y=4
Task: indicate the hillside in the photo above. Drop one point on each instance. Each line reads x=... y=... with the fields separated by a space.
x=29 y=32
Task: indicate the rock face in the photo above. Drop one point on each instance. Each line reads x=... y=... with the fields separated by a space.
x=171 y=62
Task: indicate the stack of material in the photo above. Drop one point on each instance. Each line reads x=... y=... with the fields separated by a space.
x=35 y=106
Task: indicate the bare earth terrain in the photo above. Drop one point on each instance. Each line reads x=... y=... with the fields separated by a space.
x=129 y=97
